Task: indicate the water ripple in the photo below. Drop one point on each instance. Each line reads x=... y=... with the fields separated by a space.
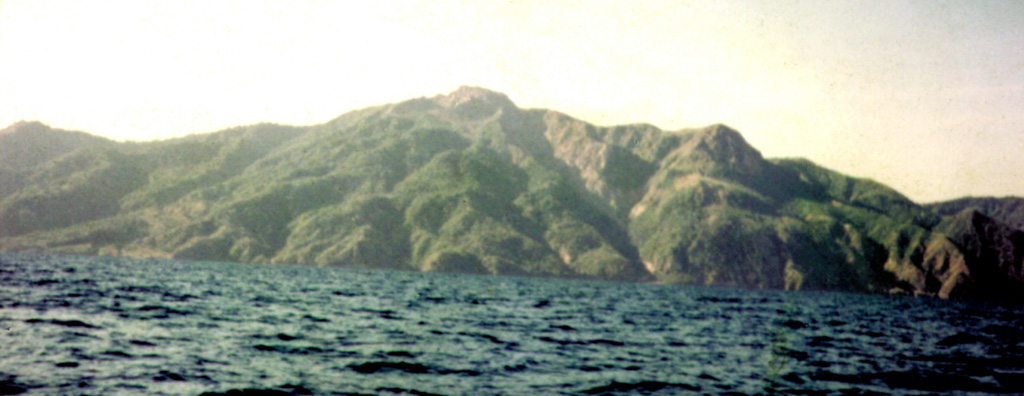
x=89 y=325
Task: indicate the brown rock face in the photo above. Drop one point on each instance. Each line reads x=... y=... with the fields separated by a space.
x=990 y=264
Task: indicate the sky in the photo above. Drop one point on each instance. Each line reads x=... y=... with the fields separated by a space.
x=924 y=96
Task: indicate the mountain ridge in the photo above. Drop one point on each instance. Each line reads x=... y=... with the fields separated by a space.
x=469 y=182
x=1007 y=210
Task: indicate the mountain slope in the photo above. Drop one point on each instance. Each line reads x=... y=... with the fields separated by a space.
x=24 y=145
x=1009 y=210
x=468 y=182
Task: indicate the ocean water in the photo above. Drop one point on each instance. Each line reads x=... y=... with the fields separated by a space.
x=116 y=326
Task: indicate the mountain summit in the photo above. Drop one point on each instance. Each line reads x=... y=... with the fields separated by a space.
x=468 y=182
x=474 y=96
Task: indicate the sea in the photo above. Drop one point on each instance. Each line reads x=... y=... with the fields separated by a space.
x=73 y=325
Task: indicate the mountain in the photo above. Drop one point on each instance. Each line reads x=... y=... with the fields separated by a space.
x=1009 y=210
x=27 y=144
x=469 y=182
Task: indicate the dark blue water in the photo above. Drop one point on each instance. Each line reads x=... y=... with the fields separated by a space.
x=108 y=326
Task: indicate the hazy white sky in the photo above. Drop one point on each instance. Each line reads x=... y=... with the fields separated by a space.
x=925 y=96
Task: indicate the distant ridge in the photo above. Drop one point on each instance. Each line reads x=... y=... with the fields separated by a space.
x=469 y=182
x=1008 y=210
x=27 y=143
